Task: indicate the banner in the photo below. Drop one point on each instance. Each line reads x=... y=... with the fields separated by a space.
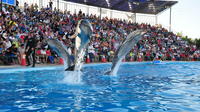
x=9 y=2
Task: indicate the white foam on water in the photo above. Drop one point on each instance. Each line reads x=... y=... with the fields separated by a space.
x=72 y=77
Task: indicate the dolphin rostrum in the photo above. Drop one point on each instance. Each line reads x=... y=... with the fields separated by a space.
x=124 y=48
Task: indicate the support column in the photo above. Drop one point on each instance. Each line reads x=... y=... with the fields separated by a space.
x=58 y=4
x=170 y=19
x=100 y=13
x=156 y=19
x=111 y=14
x=65 y=6
x=40 y=4
x=88 y=10
x=135 y=15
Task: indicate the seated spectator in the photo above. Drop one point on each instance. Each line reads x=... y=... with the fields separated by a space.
x=7 y=43
x=49 y=56
x=43 y=55
x=21 y=50
x=12 y=53
x=38 y=55
x=2 y=56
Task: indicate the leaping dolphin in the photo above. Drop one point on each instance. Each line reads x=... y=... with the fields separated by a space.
x=61 y=50
x=82 y=37
x=83 y=34
x=124 y=48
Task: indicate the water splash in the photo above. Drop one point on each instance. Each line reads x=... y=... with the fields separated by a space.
x=65 y=63
x=72 y=77
x=115 y=70
x=79 y=60
x=75 y=77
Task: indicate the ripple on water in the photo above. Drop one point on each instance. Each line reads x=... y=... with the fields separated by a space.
x=51 y=111
x=117 y=110
x=139 y=87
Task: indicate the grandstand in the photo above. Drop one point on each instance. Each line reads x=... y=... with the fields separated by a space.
x=112 y=21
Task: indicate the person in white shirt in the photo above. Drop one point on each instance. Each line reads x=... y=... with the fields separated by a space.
x=7 y=43
x=91 y=52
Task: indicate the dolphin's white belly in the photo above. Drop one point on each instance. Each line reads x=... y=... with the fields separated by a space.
x=78 y=42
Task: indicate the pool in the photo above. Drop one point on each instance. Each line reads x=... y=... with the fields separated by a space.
x=138 y=87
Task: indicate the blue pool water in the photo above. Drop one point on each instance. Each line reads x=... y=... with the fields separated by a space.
x=138 y=87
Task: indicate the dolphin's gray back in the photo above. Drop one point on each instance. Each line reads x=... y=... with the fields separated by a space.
x=60 y=49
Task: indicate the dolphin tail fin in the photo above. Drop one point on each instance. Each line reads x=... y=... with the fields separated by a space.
x=108 y=73
x=70 y=68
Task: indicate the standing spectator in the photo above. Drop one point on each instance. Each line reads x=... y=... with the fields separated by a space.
x=17 y=3
x=51 y=4
x=25 y=6
x=30 y=50
x=91 y=52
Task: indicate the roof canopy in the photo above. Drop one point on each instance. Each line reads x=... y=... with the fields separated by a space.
x=136 y=6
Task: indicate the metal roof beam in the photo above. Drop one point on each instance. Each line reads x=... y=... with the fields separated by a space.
x=116 y=5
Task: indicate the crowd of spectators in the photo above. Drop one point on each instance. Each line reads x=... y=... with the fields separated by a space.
x=17 y=25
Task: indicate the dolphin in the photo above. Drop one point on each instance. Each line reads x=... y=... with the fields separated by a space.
x=124 y=48
x=61 y=50
x=83 y=34
x=82 y=37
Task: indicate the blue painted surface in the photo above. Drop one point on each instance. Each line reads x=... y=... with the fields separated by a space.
x=10 y=2
x=158 y=62
x=139 y=87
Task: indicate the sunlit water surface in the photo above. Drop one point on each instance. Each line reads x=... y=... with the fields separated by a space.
x=138 y=87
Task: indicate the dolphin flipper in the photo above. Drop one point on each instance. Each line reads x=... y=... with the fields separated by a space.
x=70 y=68
x=108 y=73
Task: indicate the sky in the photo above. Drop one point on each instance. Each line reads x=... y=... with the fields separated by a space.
x=185 y=18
